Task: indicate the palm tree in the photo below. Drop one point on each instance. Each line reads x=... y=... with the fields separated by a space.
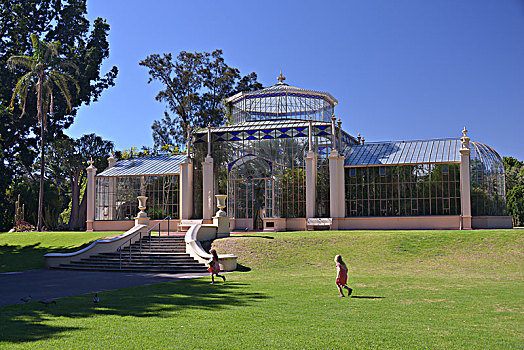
x=46 y=70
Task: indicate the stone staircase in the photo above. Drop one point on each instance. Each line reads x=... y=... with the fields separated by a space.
x=167 y=255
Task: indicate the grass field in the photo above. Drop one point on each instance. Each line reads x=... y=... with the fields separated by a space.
x=413 y=289
x=25 y=250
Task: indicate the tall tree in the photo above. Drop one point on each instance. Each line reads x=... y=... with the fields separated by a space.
x=68 y=162
x=46 y=71
x=83 y=43
x=195 y=85
x=514 y=170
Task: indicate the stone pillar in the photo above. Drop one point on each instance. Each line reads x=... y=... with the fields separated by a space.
x=465 y=182
x=91 y=185
x=311 y=176
x=336 y=178
x=186 y=189
x=207 y=189
x=207 y=181
x=111 y=161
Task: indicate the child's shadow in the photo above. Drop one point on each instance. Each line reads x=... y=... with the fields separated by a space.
x=365 y=297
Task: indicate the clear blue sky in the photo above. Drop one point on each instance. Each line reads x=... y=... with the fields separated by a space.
x=401 y=70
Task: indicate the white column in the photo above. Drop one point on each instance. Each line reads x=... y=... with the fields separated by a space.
x=111 y=161
x=91 y=184
x=311 y=184
x=207 y=189
x=336 y=177
x=311 y=175
x=186 y=189
x=336 y=185
x=465 y=182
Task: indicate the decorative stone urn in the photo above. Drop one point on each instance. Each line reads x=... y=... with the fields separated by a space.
x=142 y=206
x=221 y=204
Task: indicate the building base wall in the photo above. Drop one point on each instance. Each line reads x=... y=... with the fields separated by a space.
x=443 y=222
x=398 y=223
x=481 y=222
x=124 y=225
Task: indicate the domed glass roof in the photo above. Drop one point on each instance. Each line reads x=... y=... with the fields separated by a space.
x=281 y=101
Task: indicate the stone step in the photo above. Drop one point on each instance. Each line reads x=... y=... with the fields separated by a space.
x=155 y=245
x=154 y=250
x=150 y=254
x=138 y=258
x=144 y=253
x=133 y=269
x=135 y=263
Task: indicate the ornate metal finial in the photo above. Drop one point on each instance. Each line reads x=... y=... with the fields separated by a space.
x=90 y=161
x=363 y=139
x=113 y=154
x=281 y=78
x=464 y=132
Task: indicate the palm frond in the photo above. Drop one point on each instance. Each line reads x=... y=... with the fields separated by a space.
x=20 y=61
x=61 y=80
x=20 y=91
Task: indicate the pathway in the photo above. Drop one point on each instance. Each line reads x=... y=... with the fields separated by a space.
x=52 y=284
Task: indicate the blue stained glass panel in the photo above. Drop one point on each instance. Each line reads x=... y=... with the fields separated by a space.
x=322 y=133
x=236 y=139
x=268 y=137
x=284 y=136
x=251 y=138
x=300 y=134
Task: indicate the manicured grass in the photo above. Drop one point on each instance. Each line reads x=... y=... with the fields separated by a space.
x=414 y=289
x=25 y=250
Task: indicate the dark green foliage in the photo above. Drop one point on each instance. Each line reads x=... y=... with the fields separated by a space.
x=50 y=20
x=514 y=169
x=67 y=163
x=195 y=86
x=515 y=202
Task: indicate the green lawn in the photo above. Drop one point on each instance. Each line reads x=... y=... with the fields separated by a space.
x=25 y=250
x=413 y=289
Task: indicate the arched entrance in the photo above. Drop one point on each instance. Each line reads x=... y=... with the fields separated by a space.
x=252 y=191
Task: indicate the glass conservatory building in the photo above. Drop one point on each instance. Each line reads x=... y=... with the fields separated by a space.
x=285 y=163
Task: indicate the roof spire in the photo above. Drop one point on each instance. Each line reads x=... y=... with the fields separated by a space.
x=281 y=78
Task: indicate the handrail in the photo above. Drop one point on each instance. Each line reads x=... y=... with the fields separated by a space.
x=168 y=218
x=119 y=249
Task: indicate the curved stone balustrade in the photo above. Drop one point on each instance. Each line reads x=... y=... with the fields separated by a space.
x=206 y=232
x=98 y=246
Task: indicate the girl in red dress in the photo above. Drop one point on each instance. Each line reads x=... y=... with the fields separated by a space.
x=214 y=267
x=342 y=276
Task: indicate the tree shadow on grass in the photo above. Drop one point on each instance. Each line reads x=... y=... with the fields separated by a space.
x=252 y=236
x=29 y=257
x=366 y=297
x=27 y=322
